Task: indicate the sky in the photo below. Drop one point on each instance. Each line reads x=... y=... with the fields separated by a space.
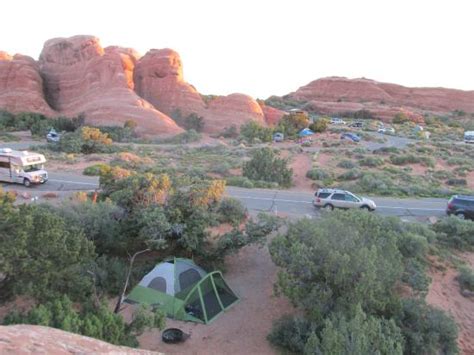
x=265 y=48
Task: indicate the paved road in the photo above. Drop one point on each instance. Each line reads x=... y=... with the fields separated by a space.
x=292 y=203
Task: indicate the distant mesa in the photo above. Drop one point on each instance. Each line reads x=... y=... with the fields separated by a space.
x=111 y=85
x=334 y=95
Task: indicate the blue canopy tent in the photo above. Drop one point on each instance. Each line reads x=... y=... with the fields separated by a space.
x=305 y=133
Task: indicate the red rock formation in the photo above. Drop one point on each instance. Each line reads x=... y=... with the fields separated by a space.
x=33 y=339
x=272 y=115
x=81 y=77
x=21 y=86
x=334 y=95
x=159 y=79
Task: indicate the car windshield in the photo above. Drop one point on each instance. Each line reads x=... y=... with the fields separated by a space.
x=33 y=167
x=358 y=197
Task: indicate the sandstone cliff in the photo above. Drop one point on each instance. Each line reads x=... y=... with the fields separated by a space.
x=32 y=339
x=21 y=85
x=336 y=94
x=82 y=77
x=159 y=79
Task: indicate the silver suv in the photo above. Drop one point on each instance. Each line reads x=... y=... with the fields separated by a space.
x=334 y=198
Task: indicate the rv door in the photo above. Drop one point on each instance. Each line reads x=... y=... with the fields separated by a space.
x=5 y=170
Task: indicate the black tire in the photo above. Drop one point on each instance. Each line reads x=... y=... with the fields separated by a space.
x=26 y=182
x=461 y=215
x=328 y=207
x=365 y=207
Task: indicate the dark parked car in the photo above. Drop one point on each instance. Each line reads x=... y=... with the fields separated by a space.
x=356 y=124
x=461 y=206
x=351 y=136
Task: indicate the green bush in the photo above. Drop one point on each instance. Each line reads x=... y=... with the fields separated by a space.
x=456 y=182
x=320 y=125
x=386 y=150
x=400 y=118
x=426 y=330
x=291 y=333
x=99 y=323
x=240 y=181
x=292 y=123
x=347 y=164
x=253 y=132
x=265 y=165
x=455 y=232
x=317 y=174
x=352 y=174
x=371 y=161
x=231 y=211
x=94 y=170
x=466 y=279
x=182 y=138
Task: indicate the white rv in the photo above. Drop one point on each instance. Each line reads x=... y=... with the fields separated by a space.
x=22 y=167
x=469 y=137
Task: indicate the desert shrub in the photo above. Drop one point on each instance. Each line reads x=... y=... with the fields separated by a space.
x=94 y=170
x=292 y=123
x=317 y=174
x=320 y=125
x=253 y=132
x=240 y=181
x=352 y=174
x=267 y=166
x=426 y=330
x=455 y=232
x=347 y=164
x=182 y=138
x=441 y=174
x=371 y=161
x=340 y=261
x=404 y=159
x=230 y=132
x=291 y=333
x=386 y=150
x=231 y=211
x=221 y=168
x=195 y=122
x=400 y=118
x=466 y=279
x=120 y=134
x=456 y=182
x=97 y=322
x=86 y=140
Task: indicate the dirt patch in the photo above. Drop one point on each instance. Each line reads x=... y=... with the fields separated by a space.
x=300 y=164
x=418 y=169
x=242 y=329
x=444 y=293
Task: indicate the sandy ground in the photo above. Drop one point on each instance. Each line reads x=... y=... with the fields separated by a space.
x=445 y=293
x=244 y=327
x=300 y=164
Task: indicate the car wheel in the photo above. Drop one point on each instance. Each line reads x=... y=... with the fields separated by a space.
x=365 y=207
x=460 y=215
x=328 y=207
x=27 y=182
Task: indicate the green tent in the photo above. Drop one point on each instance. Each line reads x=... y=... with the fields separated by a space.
x=184 y=290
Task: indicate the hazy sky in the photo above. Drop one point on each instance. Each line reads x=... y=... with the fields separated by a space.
x=267 y=47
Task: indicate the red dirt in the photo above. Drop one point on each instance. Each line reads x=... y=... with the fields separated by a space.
x=242 y=329
x=445 y=293
x=300 y=164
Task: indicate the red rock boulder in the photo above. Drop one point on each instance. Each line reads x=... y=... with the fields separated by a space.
x=21 y=85
x=81 y=77
x=159 y=79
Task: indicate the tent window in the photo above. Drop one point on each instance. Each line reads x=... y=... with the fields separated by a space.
x=225 y=293
x=194 y=307
x=188 y=278
x=158 y=283
x=211 y=303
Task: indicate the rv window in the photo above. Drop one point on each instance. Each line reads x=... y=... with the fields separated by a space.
x=33 y=167
x=5 y=165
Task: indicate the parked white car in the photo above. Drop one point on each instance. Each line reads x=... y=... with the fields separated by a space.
x=386 y=130
x=469 y=137
x=335 y=198
x=336 y=120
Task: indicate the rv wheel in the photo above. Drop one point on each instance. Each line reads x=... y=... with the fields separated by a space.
x=26 y=182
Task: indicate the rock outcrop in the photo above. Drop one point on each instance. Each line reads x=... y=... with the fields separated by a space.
x=21 y=85
x=335 y=95
x=159 y=79
x=80 y=77
x=32 y=339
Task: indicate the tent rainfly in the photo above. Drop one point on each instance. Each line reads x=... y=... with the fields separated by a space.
x=305 y=132
x=184 y=291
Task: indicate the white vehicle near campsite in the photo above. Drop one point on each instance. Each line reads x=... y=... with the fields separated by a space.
x=22 y=167
x=469 y=137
